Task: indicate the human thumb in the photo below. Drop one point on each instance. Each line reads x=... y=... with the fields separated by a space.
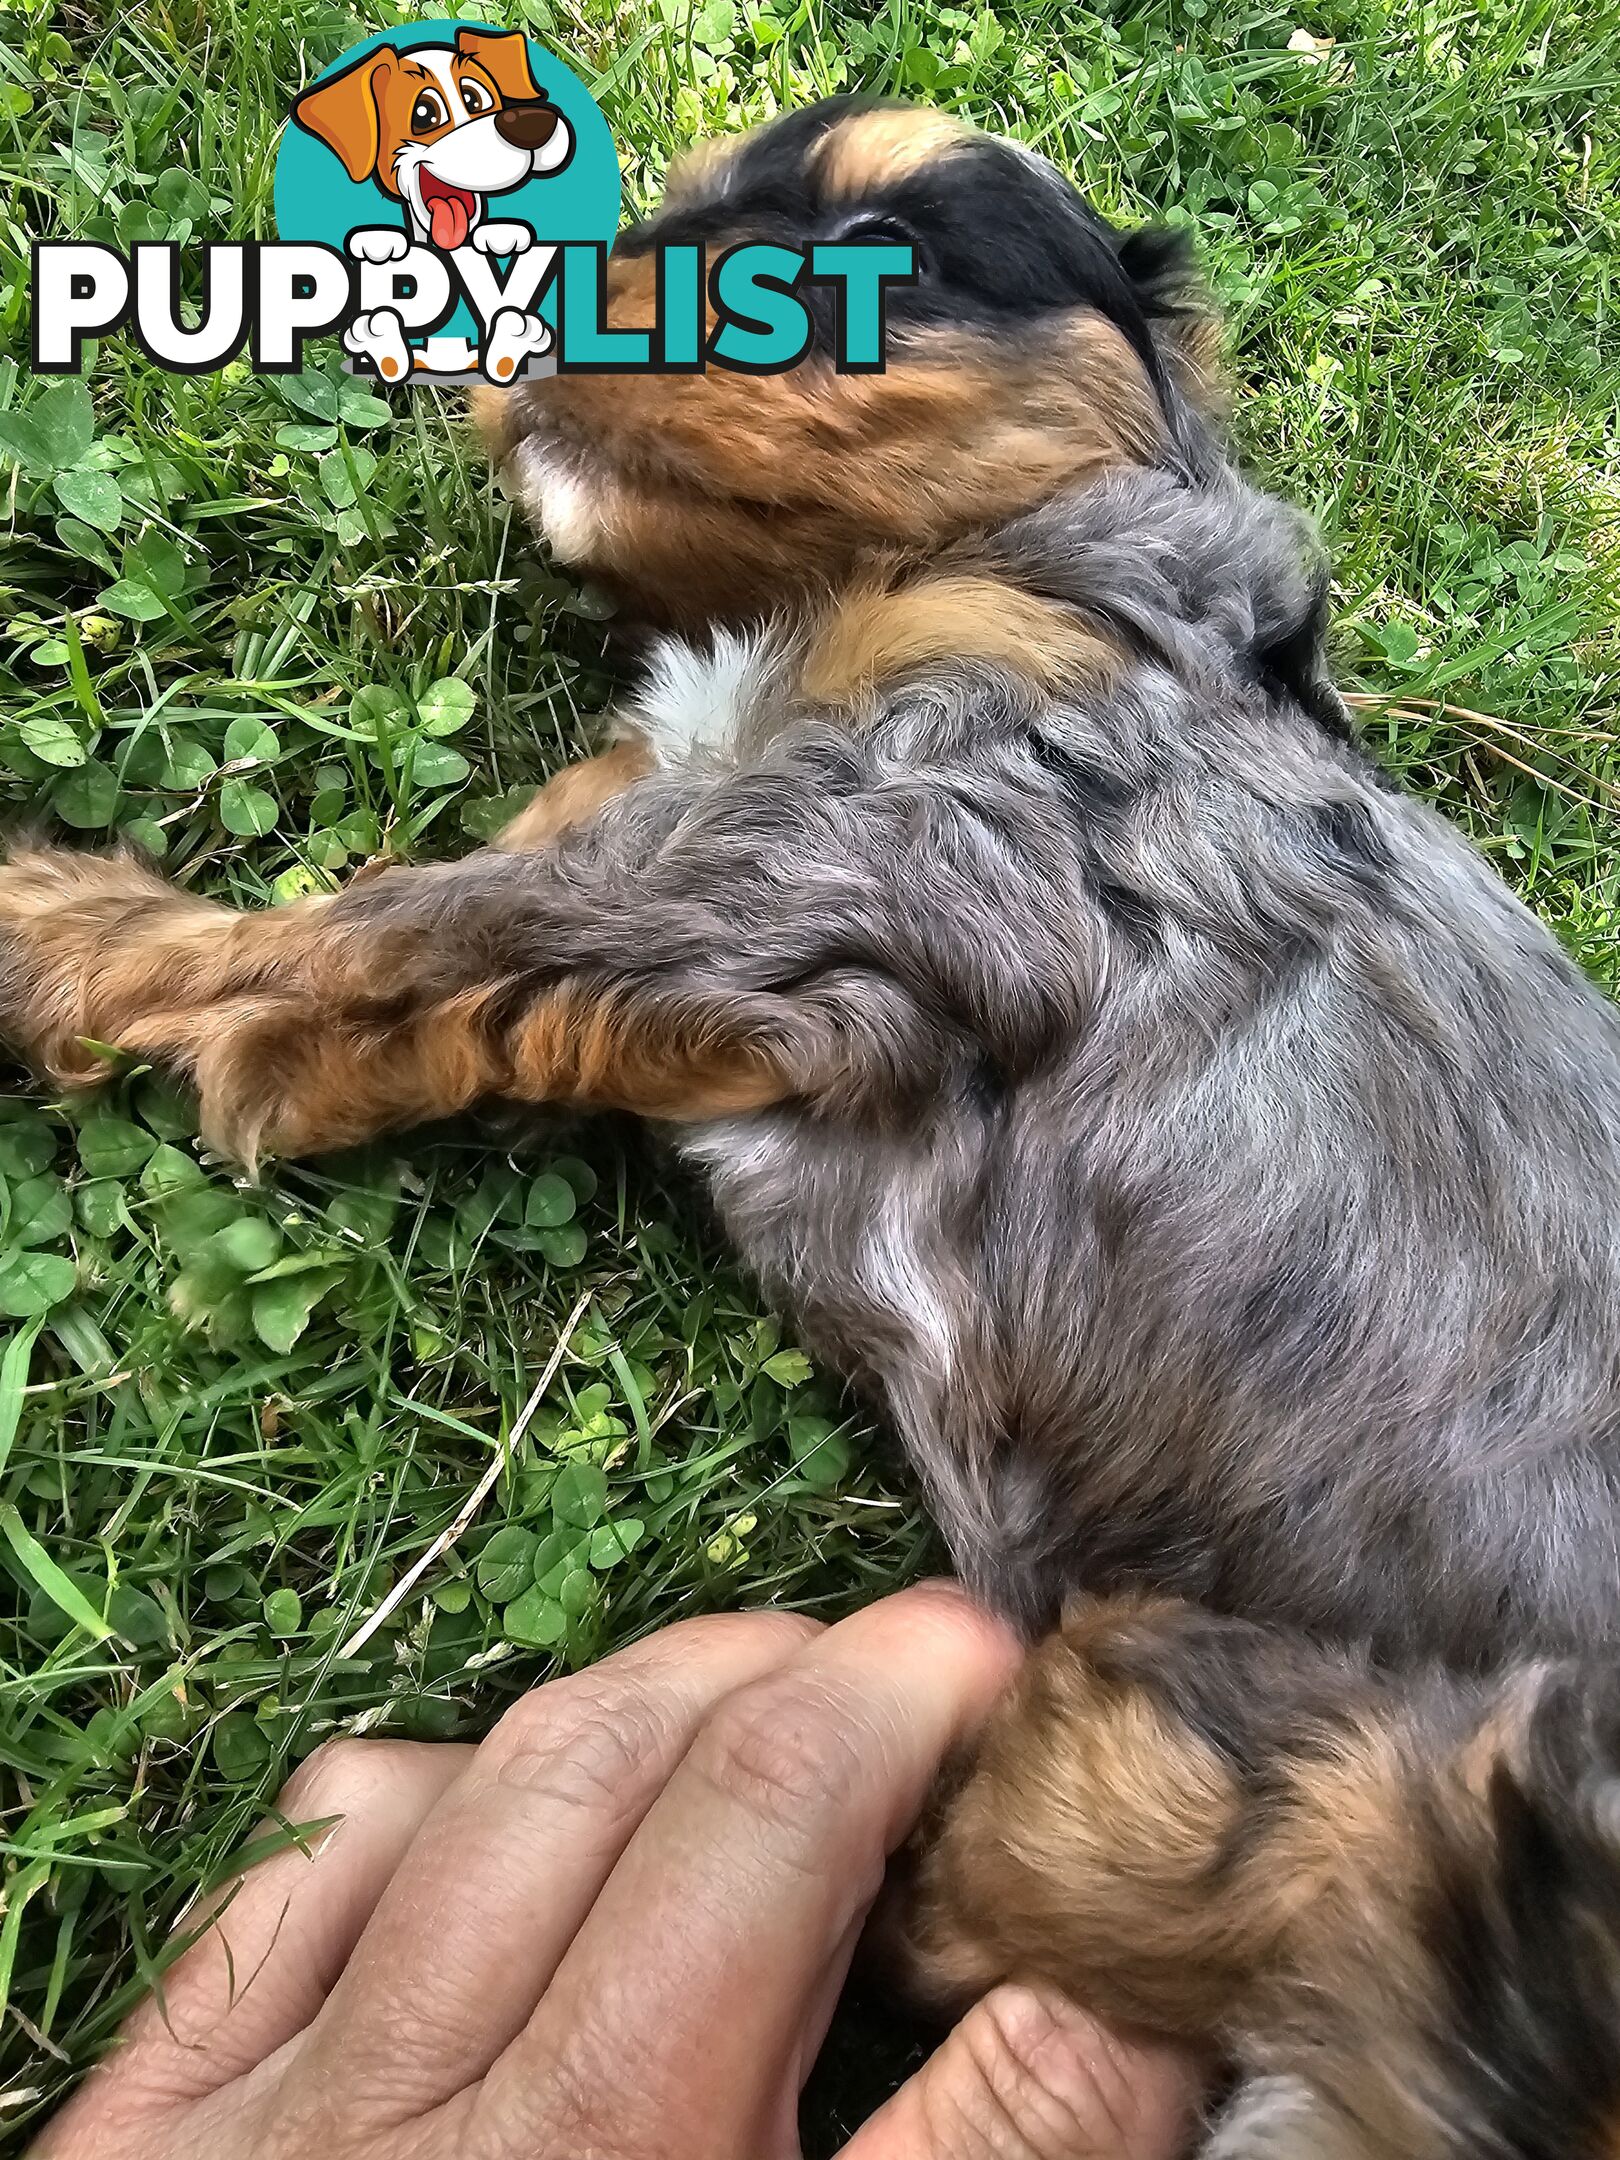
x=1027 y=2076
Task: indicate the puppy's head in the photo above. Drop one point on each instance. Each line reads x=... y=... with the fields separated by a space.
x=1037 y=347
x=438 y=127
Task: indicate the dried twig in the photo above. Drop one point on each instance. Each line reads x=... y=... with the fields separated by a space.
x=479 y=1494
x=1417 y=708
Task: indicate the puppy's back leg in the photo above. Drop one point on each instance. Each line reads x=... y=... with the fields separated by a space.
x=1083 y=1846
x=1393 y=1900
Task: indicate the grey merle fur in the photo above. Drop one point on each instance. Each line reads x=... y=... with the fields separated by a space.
x=1209 y=1165
x=1279 y=1266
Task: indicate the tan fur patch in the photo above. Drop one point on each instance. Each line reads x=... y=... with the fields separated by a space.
x=1080 y=1851
x=492 y=412
x=1194 y=344
x=1502 y=1737
x=300 y=1074
x=276 y=1017
x=100 y=946
x=712 y=497
x=576 y=793
x=1102 y=1844
x=874 y=635
x=871 y=150
x=582 y=1046
x=698 y=169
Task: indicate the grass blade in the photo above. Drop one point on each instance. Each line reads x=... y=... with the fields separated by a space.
x=47 y=1576
x=13 y=1381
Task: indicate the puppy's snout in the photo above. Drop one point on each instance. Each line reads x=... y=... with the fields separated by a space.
x=527 y=127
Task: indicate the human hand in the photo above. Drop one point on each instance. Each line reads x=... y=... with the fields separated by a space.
x=614 y=1931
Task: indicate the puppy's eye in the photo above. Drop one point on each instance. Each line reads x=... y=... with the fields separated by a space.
x=428 y=112
x=476 y=98
x=874 y=226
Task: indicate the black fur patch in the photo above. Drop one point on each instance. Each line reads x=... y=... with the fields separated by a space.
x=1129 y=910
x=1528 y=1946
x=1092 y=788
x=1249 y=1693
x=1346 y=839
x=1002 y=239
x=1293 y=665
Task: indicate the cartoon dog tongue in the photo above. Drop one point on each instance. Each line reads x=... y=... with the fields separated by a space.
x=448 y=220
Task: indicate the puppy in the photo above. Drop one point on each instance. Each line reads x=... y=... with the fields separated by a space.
x=441 y=128
x=1208 y=1163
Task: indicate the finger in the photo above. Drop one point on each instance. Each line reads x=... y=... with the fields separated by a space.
x=506 y=1868
x=286 y=1926
x=1027 y=2076
x=676 y=2023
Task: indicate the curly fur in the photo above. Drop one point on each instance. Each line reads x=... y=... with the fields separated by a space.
x=1211 y=1166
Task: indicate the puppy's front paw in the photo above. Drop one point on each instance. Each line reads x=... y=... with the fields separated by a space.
x=380 y=338
x=513 y=336
x=378 y=244
x=78 y=937
x=501 y=239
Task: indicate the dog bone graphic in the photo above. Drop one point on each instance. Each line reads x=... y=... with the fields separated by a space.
x=513 y=336
x=380 y=338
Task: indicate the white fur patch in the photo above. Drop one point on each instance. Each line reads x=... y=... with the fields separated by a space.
x=563 y=503
x=692 y=700
x=893 y=1274
x=1278 y=2118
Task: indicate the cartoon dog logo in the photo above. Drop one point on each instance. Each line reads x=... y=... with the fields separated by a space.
x=441 y=128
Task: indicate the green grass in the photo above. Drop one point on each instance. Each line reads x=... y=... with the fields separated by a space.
x=273 y=629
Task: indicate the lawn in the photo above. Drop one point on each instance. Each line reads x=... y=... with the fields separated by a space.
x=270 y=629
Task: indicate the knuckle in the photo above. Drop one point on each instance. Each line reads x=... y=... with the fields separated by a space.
x=1015 y=2080
x=590 y=2097
x=788 y=1748
x=591 y=1742
x=341 y=1775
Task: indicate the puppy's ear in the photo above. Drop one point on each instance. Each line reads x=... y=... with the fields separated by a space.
x=1159 y=261
x=504 y=57
x=343 y=111
x=1291 y=656
x=1163 y=269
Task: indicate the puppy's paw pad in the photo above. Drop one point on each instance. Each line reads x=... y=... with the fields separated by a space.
x=513 y=337
x=380 y=338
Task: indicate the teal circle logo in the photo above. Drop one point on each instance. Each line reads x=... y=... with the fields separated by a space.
x=448 y=161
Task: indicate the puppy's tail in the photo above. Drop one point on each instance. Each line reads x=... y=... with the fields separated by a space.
x=1403 y=1896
